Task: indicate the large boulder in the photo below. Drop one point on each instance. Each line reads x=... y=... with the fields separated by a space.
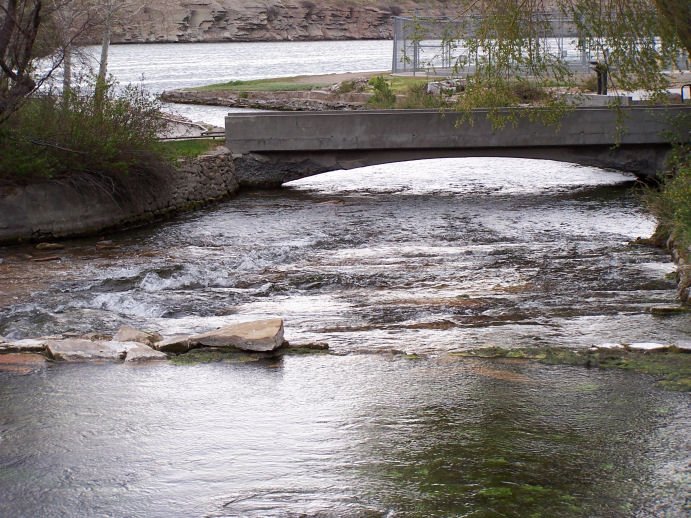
x=258 y=336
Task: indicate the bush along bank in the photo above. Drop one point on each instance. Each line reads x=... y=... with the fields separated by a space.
x=74 y=165
x=670 y=202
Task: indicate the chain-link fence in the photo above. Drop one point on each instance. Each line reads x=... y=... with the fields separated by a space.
x=444 y=46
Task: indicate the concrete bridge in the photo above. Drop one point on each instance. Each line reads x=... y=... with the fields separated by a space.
x=272 y=148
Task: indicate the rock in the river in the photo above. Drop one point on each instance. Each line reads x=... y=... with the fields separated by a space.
x=84 y=350
x=310 y=346
x=47 y=258
x=142 y=353
x=669 y=310
x=258 y=336
x=50 y=246
x=177 y=344
x=609 y=345
x=130 y=334
x=647 y=346
x=29 y=345
x=684 y=346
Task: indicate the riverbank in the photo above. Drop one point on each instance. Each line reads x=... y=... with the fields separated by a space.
x=56 y=209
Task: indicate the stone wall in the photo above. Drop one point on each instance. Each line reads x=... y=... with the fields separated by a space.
x=60 y=209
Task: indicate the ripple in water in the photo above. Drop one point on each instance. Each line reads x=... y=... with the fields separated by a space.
x=428 y=257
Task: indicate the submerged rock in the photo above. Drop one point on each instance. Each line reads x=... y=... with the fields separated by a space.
x=310 y=346
x=257 y=336
x=647 y=346
x=46 y=259
x=50 y=246
x=21 y=363
x=130 y=334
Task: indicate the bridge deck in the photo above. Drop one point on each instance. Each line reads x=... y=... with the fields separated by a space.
x=631 y=138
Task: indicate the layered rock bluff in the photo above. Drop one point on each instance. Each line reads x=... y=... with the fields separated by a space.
x=269 y=20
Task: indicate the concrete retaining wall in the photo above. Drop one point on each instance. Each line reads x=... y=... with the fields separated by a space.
x=59 y=209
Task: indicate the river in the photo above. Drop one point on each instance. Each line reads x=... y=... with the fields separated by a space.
x=398 y=268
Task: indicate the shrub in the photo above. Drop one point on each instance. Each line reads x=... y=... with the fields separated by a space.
x=73 y=138
x=383 y=96
x=671 y=202
x=346 y=87
x=416 y=96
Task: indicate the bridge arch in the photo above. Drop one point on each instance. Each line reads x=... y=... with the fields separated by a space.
x=273 y=148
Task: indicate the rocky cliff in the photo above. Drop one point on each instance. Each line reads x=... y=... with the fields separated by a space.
x=268 y=20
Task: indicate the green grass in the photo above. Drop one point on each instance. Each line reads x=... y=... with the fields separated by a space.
x=400 y=84
x=280 y=84
x=297 y=84
x=188 y=148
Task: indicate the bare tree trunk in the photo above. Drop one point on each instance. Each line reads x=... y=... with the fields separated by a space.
x=18 y=32
x=105 y=48
x=101 y=84
x=67 y=71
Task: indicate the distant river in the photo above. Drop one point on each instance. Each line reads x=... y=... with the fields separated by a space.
x=160 y=67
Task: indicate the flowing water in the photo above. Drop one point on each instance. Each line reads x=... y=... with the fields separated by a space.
x=397 y=267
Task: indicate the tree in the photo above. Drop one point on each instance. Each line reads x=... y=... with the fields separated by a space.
x=32 y=30
x=112 y=12
x=504 y=41
x=677 y=15
x=19 y=25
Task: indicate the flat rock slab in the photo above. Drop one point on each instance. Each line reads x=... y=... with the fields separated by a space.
x=144 y=353
x=609 y=346
x=647 y=346
x=258 y=336
x=29 y=345
x=85 y=350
